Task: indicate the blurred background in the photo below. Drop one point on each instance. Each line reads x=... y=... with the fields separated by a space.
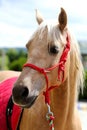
x=17 y=23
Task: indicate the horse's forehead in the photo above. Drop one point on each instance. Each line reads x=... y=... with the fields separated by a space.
x=52 y=32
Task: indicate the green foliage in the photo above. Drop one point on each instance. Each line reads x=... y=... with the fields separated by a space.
x=4 y=60
x=0 y=52
x=12 y=59
x=12 y=54
x=84 y=95
x=17 y=58
x=17 y=64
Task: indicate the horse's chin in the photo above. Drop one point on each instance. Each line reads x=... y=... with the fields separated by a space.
x=26 y=104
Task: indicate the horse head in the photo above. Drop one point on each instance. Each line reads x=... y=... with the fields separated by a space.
x=45 y=48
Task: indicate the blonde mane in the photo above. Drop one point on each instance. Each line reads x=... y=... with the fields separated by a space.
x=78 y=63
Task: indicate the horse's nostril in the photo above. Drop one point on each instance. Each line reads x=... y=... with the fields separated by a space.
x=24 y=92
x=20 y=92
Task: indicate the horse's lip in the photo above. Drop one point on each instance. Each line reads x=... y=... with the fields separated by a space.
x=26 y=104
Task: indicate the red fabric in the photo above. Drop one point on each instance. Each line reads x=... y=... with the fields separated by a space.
x=15 y=117
x=44 y=71
x=5 y=93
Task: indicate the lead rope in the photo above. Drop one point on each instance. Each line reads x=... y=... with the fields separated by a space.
x=50 y=117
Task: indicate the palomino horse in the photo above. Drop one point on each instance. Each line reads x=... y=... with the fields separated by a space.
x=53 y=66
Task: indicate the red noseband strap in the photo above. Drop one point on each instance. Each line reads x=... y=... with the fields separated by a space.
x=61 y=68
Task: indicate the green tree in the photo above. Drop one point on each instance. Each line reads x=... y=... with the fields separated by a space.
x=17 y=58
x=4 y=60
x=12 y=54
x=17 y=64
x=84 y=95
x=22 y=53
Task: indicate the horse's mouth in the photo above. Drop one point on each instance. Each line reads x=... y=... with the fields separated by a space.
x=27 y=103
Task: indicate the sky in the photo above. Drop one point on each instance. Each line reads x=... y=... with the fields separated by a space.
x=17 y=19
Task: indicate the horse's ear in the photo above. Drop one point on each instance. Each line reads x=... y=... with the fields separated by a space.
x=62 y=20
x=39 y=17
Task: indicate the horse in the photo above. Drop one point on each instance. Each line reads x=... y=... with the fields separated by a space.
x=6 y=74
x=53 y=69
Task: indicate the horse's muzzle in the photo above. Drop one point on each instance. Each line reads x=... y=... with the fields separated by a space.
x=20 y=96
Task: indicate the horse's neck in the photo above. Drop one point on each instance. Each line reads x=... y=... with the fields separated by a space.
x=61 y=105
x=63 y=102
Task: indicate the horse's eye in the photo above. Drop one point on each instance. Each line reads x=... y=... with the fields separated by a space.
x=53 y=49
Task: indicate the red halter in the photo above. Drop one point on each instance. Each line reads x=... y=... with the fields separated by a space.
x=44 y=71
